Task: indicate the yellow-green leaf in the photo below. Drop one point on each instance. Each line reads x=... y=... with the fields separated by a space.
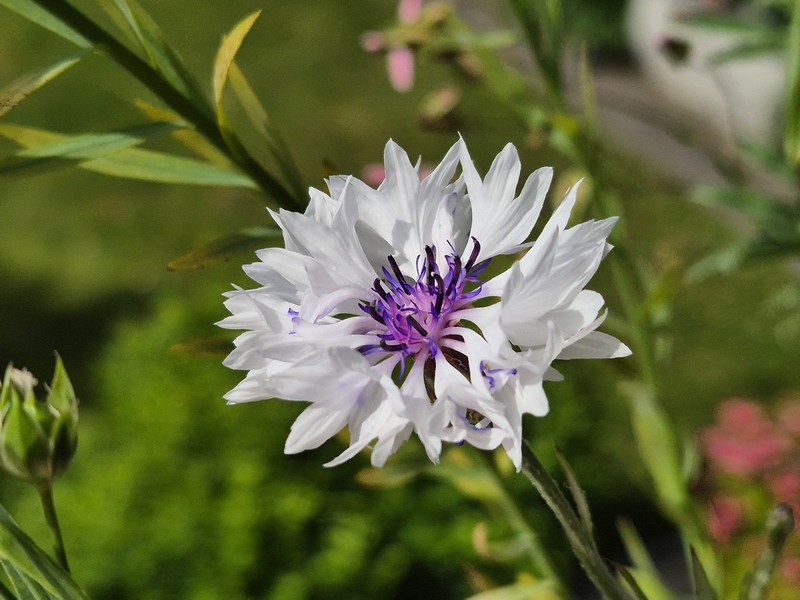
x=227 y=52
x=22 y=87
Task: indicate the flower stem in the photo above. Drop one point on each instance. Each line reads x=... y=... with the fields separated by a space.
x=50 y=515
x=582 y=543
x=536 y=552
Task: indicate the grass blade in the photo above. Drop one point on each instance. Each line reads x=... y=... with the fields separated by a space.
x=160 y=55
x=32 y=562
x=36 y=14
x=223 y=249
x=133 y=163
x=578 y=495
x=22 y=87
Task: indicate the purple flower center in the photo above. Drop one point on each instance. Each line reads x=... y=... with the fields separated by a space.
x=412 y=317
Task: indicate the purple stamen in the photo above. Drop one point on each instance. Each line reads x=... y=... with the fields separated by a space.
x=411 y=318
x=476 y=250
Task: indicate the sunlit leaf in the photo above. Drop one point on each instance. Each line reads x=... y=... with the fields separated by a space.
x=189 y=137
x=75 y=148
x=224 y=248
x=133 y=163
x=522 y=590
x=32 y=562
x=658 y=448
x=644 y=571
x=227 y=52
x=632 y=583
x=22 y=87
x=36 y=14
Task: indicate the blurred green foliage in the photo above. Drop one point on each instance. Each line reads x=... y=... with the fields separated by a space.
x=173 y=494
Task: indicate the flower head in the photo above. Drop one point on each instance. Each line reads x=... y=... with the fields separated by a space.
x=380 y=314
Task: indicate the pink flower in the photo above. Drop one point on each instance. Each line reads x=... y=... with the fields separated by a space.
x=745 y=441
x=399 y=57
x=724 y=519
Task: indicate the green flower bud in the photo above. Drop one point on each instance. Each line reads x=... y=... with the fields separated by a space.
x=38 y=438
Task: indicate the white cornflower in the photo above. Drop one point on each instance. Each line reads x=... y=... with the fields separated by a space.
x=377 y=311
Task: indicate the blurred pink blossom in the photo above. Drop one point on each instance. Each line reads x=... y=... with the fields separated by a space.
x=725 y=517
x=745 y=441
x=399 y=57
x=374 y=173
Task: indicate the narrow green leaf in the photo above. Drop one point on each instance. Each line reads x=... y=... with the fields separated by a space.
x=658 y=449
x=36 y=14
x=160 y=55
x=631 y=582
x=24 y=587
x=69 y=149
x=703 y=590
x=791 y=131
x=22 y=87
x=27 y=558
x=771 y=44
x=225 y=248
x=728 y=23
x=134 y=163
x=189 y=137
x=634 y=547
x=522 y=590
x=260 y=119
x=578 y=495
x=227 y=52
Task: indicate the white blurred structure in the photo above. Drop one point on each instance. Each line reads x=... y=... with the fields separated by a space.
x=739 y=100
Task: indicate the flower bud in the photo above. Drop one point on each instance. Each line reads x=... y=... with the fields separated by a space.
x=37 y=437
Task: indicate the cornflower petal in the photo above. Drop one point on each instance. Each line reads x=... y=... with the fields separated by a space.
x=377 y=312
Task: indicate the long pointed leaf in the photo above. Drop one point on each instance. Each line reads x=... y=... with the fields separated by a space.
x=161 y=56
x=76 y=148
x=578 y=495
x=791 y=132
x=224 y=248
x=703 y=590
x=22 y=87
x=190 y=138
x=134 y=163
x=36 y=14
x=25 y=588
x=227 y=52
x=27 y=558
x=260 y=119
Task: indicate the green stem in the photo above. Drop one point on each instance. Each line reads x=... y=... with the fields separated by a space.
x=580 y=540
x=50 y=515
x=536 y=551
x=200 y=116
